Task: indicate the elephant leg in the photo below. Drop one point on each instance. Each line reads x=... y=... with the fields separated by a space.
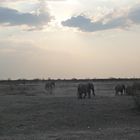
x=93 y=93
x=116 y=93
x=121 y=93
x=78 y=95
x=89 y=95
x=124 y=93
x=84 y=95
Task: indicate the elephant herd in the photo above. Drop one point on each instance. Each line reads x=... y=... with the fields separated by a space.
x=122 y=89
x=87 y=89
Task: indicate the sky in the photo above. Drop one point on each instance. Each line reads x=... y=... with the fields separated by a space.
x=69 y=39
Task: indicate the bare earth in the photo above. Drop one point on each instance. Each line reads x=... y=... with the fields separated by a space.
x=36 y=115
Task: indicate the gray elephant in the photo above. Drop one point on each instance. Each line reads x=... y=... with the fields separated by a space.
x=84 y=90
x=49 y=85
x=129 y=90
x=120 y=89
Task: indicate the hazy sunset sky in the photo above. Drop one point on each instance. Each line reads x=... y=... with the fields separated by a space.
x=69 y=38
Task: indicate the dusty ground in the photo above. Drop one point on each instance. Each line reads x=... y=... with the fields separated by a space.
x=36 y=115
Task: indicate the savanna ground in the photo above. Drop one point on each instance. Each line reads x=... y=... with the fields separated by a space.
x=34 y=114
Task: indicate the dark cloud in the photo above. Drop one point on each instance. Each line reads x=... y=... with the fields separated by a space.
x=86 y=24
x=134 y=14
x=12 y=17
x=5 y=1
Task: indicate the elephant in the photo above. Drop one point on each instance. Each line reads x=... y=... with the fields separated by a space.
x=129 y=90
x=85 y=89
x=120 y=88
x=49 y=85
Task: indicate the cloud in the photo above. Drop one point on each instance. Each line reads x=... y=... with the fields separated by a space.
x=12 y=17
x=134 y=14
x=110 y=21
x=13 y=1
x=9 y=0
x=87 y=25
x=4 y=1
x=34 y=20
x=56 y=0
